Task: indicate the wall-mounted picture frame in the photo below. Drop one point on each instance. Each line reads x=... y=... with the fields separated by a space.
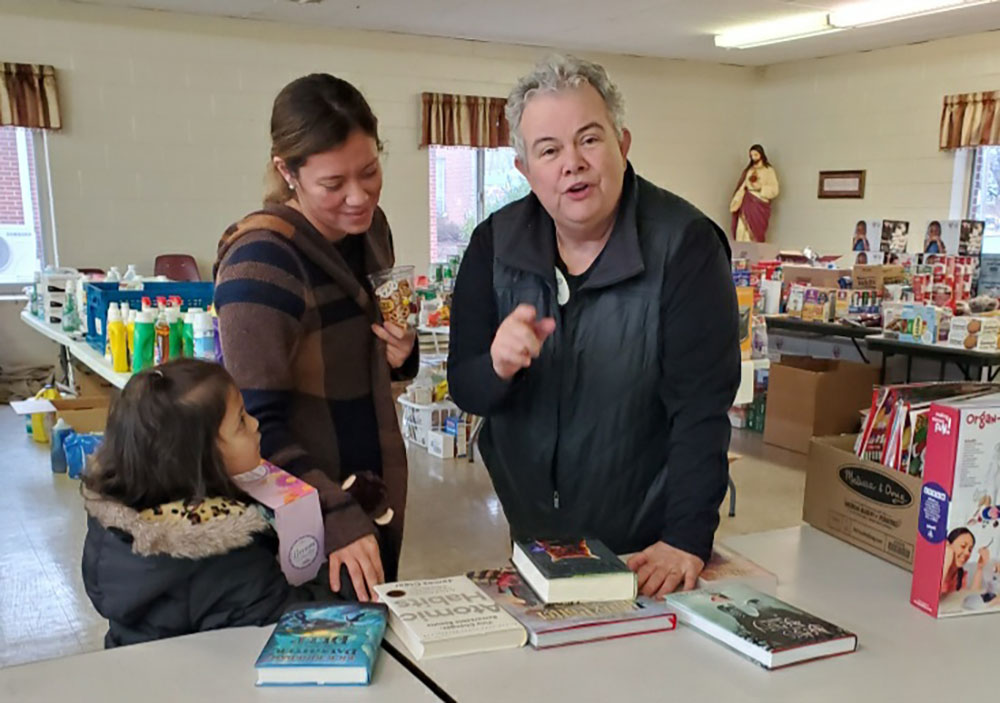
x=841 y=184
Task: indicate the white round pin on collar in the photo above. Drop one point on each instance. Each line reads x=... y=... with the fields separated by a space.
x=562 y=288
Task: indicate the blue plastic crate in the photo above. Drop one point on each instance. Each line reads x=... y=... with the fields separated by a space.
x=101 y=295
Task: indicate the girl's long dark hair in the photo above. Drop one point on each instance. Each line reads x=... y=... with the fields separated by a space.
x=160 y=444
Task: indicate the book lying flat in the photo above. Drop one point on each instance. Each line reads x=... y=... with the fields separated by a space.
x=323 y=644
x=726 y=566
x=573 y=571
x=557 y=624
x=761 y=627
x=447 y=617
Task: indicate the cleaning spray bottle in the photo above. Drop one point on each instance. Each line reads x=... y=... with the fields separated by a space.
x=116 y=340
x=189 y=318
x=145 y=337
x=176 y=332
x=113 y=310
x=162 y=345
x=130 y=337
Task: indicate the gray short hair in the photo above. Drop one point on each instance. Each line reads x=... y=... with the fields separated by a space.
x=553 y=74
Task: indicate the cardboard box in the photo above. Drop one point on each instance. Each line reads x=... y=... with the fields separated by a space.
x=817 y=304
x=813 y=276
x=842 y=304
x=864 y=302
x=771 y=290
x=82 y=414
x=876 y=277
x=796 y=298
x=744 y=300
x=297 y=517
x=861 y=502
x=979 y=333
x=815 y=397
x=458 y=429
x=957 y=507
x=911 y=322
x=90 y=385
x=754 y=251
x=440 y=444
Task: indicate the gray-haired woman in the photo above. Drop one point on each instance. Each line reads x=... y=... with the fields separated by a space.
x=595 y=327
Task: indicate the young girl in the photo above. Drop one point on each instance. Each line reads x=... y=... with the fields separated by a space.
x=173 y=546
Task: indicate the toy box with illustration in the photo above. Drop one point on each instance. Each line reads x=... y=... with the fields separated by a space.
x=297 y=518
x=956 y=567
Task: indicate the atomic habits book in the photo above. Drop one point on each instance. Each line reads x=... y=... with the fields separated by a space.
x=760 y=627
x=446 y=617
x=571 y=623
x=323 y=644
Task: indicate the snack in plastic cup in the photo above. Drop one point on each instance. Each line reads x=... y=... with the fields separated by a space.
x=394 y=294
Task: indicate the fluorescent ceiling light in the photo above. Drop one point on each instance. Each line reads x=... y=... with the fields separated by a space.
x=860 y=14
x=774 y=31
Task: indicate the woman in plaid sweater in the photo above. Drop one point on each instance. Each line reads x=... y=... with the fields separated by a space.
x=301 y=333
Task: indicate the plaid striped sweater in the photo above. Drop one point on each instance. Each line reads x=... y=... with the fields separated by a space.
x=295 y=324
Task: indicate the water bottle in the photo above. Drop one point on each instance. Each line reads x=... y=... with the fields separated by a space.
x=58 y=453
x=130 y=281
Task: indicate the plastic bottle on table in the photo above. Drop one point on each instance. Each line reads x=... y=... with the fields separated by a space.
x=71 y=319
x=130 y=336
x=113 y=309
x=130 y=281
x=204 y=337
x=176 y=323
x=162 y=347
x=113 y=275
x=188 y=341
x=58 y=451
x=40 y=422
x=116 y=340
x=145 y=336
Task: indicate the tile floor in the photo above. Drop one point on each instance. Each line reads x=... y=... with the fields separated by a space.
x=454 y=524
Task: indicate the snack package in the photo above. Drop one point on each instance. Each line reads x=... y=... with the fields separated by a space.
x=394 y=294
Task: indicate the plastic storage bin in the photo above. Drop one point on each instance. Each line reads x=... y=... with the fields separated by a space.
x=101 y=295
x=419 y=420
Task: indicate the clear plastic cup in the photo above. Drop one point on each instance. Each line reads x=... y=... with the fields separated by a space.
x=395 y=295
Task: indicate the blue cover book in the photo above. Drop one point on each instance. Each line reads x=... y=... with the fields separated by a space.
x=333 y=644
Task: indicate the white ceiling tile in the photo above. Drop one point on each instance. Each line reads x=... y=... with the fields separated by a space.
x=680 y=29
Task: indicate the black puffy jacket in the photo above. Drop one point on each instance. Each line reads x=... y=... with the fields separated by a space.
x=174 y=572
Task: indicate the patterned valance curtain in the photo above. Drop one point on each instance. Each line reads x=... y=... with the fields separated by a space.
x=28 y=96
x=464 y=120
x=970 y=120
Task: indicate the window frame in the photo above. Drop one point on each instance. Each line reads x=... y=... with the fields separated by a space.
x=46 y=237
x=480 y=179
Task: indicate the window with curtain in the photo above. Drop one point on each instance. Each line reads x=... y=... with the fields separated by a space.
x=970 y=120
x=22 y=250
x=29 y=107
x=470 y=166
x=984 y=195
x=467 y=184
